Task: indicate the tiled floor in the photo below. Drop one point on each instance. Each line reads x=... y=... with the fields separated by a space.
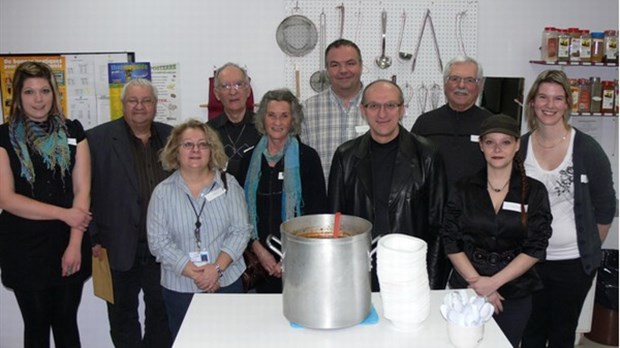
x=586 y=343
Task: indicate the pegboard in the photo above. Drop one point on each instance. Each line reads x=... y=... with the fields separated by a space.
x=455 y=23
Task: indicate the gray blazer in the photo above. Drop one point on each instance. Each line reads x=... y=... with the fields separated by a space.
x=115 y=194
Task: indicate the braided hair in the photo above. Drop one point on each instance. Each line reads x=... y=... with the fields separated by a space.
x=518 y=162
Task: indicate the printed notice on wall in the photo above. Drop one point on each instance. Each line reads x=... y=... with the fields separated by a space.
x=165 y=78
x=8 y=65
x=118 y=75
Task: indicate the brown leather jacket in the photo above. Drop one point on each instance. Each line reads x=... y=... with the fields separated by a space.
x=416 y=201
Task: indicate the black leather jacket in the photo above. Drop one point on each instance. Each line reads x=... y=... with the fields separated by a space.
x=416 y=200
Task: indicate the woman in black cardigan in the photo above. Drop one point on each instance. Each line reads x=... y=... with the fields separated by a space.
x=283 y=178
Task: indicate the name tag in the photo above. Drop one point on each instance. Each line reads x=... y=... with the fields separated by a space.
x=513 y=206
x=361 y=129
x=584 y=179
x=72 y=141
x=214 y=194
x=281 y=176
x=474 y=138
x=199 y=258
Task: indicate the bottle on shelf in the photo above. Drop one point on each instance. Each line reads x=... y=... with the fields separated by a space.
x=575 y=44
x=611 y=46
x=584 y=96
x=596 y=96
x=585 y=52
x=616 y=97
x=607 y=103
x=549 y=47
x=598 y=47
x=563 y=45
x=574 y=89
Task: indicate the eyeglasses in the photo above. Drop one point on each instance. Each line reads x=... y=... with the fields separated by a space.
x=230 y=86
x=201 y=145
x=132 y=102
x=457 y=79
x=385 y=106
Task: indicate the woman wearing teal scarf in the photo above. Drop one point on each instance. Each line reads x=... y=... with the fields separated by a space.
x=45 y=200
x=283 y=178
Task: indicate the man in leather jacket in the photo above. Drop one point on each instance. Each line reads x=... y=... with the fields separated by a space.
x=392 y=178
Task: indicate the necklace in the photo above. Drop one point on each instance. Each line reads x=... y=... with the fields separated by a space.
x=558 y=142
x=233 y=144
x=498 y=189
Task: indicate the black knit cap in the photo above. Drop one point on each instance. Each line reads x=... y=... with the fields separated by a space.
x=500 y=123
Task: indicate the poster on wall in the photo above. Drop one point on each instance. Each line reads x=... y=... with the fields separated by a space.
x=165 y=78
x=118 y=75
x=8 y=64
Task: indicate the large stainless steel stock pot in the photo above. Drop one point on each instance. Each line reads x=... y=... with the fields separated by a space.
x=326 y=281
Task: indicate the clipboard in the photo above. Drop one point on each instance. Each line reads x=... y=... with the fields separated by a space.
x=102 y=277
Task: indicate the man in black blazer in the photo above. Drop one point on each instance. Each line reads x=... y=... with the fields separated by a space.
x=125 y=170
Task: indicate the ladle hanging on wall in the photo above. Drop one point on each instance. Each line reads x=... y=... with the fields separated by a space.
x=402 y=56
x=319 y=81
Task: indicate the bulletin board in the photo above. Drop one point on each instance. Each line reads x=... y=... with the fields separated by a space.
x=455 y=24
x=82 y=80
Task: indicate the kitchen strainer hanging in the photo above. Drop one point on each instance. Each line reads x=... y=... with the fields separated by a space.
x=296 y=35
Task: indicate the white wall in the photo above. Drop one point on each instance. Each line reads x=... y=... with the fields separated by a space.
x=201 y=35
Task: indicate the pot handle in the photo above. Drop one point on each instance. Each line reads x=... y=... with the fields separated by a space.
x=373 y=251
x=271 y=246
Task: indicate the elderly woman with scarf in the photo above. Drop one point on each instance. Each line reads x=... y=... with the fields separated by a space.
x=45 y=198
x=283 y=178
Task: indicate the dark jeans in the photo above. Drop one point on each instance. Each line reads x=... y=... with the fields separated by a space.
x=177 y=303
x=54 y=307
x=514 y=318
x=557 y=307
x=123 y=314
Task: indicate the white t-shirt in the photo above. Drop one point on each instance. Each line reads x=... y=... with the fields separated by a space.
x=561 y=188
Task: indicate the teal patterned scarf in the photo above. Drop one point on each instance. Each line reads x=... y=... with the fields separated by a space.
x=291 y=190
x=48 y=139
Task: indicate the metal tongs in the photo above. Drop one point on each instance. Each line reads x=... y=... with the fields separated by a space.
x=427 y=17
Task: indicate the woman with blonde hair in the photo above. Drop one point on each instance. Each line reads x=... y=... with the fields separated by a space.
x=197 y=222
x=578 y=177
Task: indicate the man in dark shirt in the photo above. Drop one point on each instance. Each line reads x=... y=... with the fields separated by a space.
x=125 y=170
x=454 y=127
x=235 y=125
x=391 y=177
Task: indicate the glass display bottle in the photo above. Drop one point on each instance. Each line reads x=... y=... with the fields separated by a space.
x=574 y=89
x=598 y=47
x=584 y=96
x=575 y=44
x=607 y=103
x=585 y=53
x=596 y=96
x=549 y=47
x=563 y=45
x=611 y=46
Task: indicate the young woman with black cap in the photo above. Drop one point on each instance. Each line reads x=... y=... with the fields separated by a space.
x=496 y=227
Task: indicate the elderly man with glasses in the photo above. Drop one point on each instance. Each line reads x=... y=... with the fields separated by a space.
x=391 y=177
x=454 y=127
x=125 y=170
x=235 y=125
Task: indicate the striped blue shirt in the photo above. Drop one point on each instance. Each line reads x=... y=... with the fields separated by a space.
x=327 y=124
x=171 y=220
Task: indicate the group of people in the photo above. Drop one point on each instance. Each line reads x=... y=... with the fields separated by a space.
x=519 y=219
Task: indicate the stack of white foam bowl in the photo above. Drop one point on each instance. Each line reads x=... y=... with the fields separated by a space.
x=403 y=280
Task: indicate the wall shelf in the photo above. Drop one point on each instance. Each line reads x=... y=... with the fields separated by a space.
x=542 y=62
x=593 y=114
